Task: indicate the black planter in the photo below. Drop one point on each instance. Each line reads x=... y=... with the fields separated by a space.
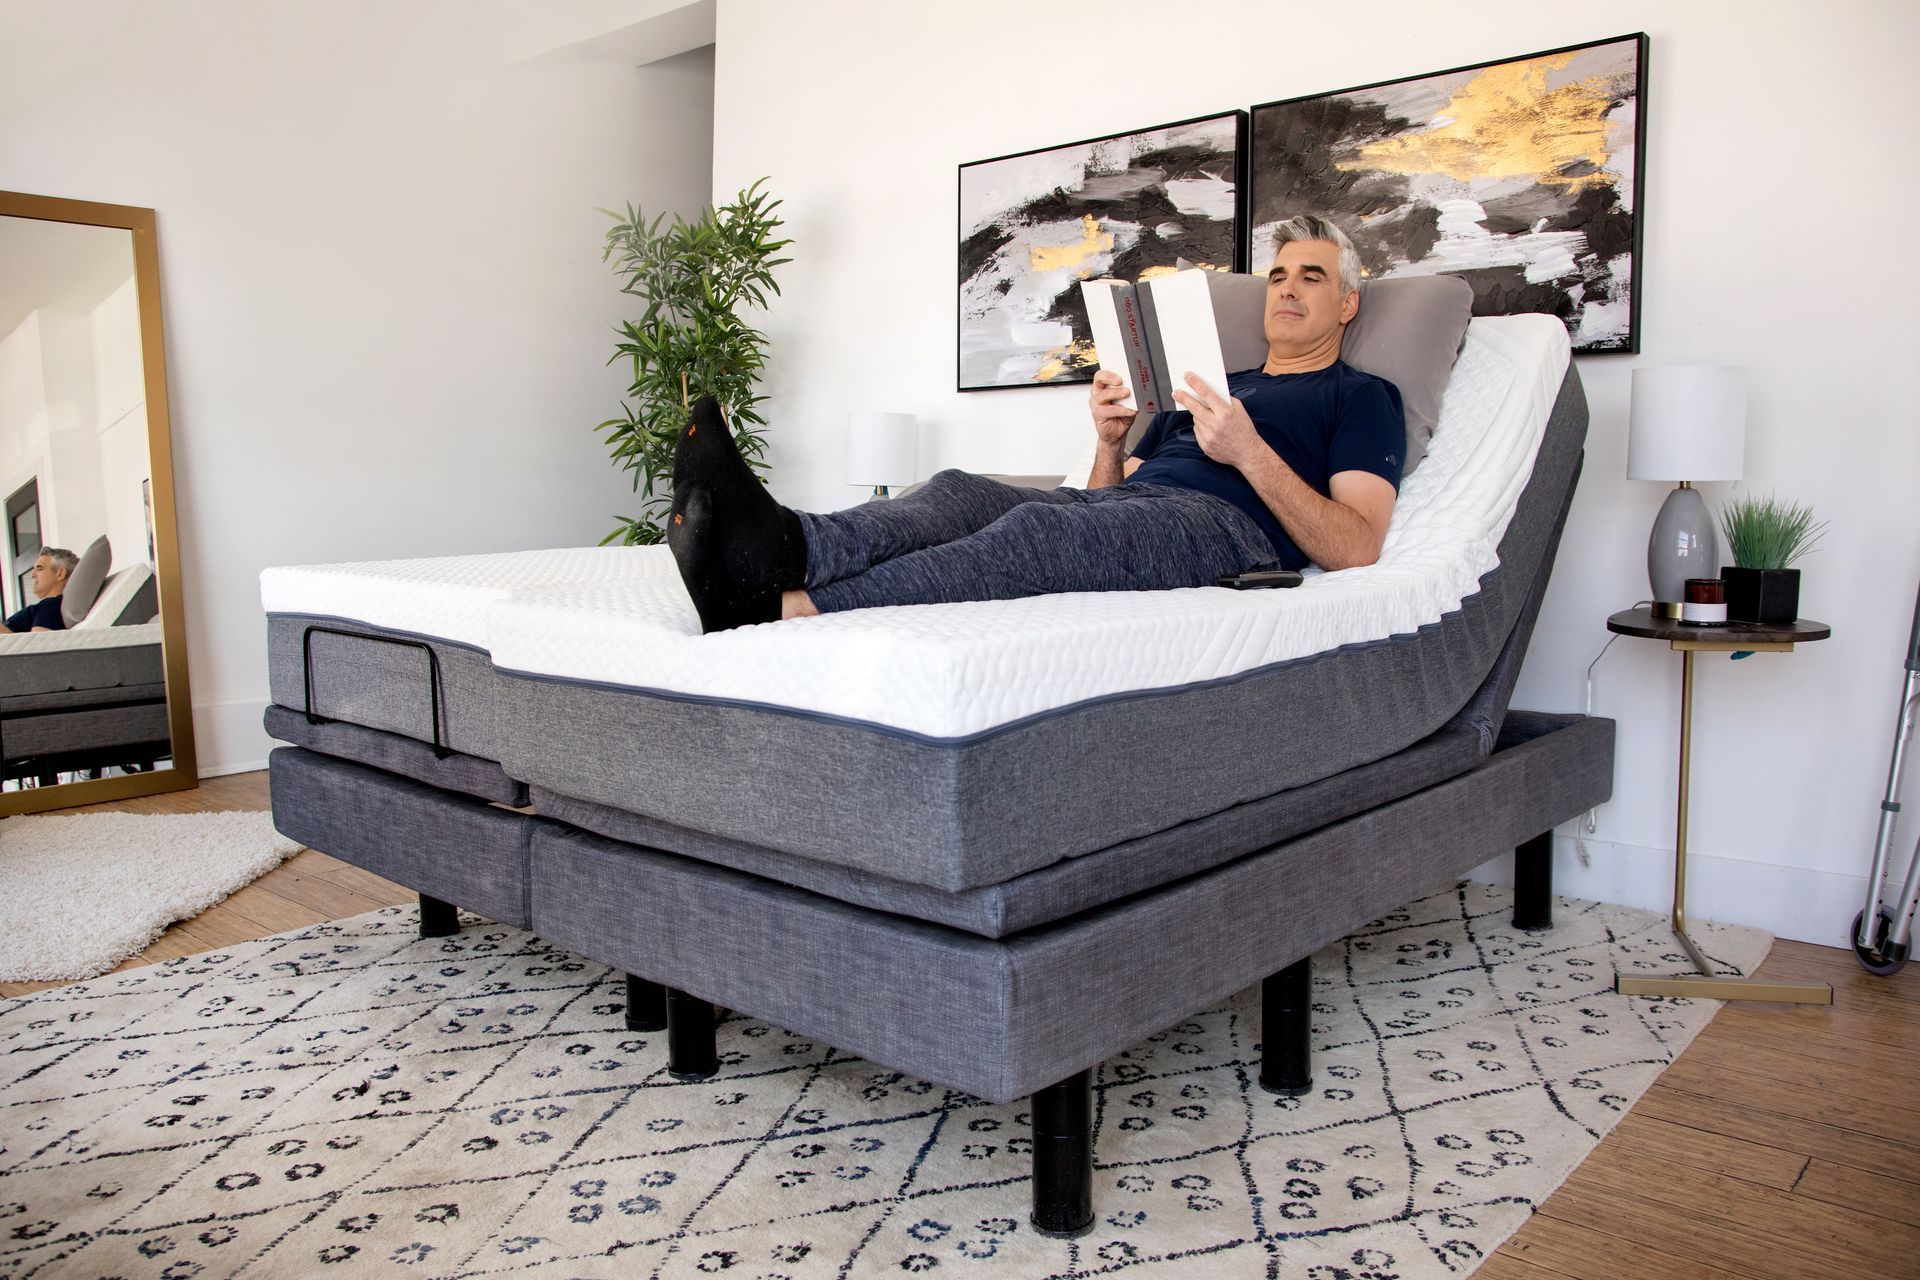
x=1767 y=596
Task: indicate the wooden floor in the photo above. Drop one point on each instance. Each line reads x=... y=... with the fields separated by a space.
x=1784 y=1143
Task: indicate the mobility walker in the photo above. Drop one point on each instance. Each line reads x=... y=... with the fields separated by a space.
x=1883 y=936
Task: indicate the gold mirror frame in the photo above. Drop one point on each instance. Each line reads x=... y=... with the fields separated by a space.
x=166 y=547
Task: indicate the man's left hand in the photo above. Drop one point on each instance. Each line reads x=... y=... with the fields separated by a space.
x=1220 y=424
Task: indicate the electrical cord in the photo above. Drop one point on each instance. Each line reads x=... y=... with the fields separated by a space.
x=1591 y=823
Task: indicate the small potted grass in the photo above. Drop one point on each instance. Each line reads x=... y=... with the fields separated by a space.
x=1766 y=536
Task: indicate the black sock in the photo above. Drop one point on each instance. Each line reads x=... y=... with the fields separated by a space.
x=737 y=548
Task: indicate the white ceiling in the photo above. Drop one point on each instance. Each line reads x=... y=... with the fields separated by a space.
x=65 y=266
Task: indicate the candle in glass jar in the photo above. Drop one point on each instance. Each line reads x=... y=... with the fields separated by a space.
x=1705 y=604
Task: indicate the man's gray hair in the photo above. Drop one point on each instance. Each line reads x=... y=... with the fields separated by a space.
x=1311 y=226
x=63 y=559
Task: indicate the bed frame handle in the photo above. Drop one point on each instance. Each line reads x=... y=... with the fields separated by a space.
x=440 y=750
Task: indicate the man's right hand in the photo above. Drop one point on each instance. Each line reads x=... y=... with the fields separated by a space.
x=1111 y=419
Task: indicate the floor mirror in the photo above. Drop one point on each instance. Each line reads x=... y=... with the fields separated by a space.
x=94 y=702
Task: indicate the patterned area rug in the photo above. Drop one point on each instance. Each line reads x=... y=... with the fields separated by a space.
x=350 y=1100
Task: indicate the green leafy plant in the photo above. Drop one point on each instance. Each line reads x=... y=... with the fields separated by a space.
x=696 y=279
x=1764 y=533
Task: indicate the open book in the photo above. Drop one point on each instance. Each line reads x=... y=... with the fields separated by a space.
x=1156 y=332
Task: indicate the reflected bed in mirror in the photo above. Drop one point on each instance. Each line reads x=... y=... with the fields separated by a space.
x=93 y=673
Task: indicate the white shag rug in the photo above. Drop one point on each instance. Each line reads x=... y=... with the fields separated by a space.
x=351 y=1100
x=81 y=893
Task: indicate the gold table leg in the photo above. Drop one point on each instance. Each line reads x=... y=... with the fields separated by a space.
x=1705 y=984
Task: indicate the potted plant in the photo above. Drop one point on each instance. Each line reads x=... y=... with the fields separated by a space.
x=695 y=279
x=1766 y=536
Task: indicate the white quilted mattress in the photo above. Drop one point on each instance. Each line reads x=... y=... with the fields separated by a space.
x=18 y=642
x=620 y=616
x=447 y=597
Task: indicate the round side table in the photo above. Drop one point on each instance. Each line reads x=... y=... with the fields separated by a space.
x=1688 y=639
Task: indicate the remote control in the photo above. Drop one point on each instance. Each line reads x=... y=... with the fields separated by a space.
x=1261 y=578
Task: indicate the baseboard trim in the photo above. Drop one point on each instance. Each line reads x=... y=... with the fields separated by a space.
x=228 y=736
x=1789 y=902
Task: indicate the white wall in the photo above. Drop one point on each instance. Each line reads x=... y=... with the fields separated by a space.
x=55 y=428
x=1760 y=117
x=73 y=500
x=23 y=406
x=119 y=373
x=120 y=409
x=25 y=451
x=73 y=417
x=386 y=317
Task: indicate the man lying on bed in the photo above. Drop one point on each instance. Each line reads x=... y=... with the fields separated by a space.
x=1301 y=463
x=51 y=569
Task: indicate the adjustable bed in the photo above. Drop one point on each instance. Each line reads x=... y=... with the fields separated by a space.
x=989 y=844
x=93 y=695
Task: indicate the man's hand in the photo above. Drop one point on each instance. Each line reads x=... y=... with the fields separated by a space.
x=1111 y=419
x=1111 y=422
x=1221 y=426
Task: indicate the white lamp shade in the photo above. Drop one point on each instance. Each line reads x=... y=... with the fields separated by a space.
x=1689 y=422
x=882 y=449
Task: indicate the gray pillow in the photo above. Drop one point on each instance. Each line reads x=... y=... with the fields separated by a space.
x=1408 y=330
x=83 y=584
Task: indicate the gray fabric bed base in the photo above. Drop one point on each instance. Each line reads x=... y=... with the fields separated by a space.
x=1071 y=885
x=958 y=814
x=397 y=753
x=118 y=695
x=456 y=848
x=23 y=676
x=380 y=679
x=1001 y=1019
x=998 y=1017
x=100 y=726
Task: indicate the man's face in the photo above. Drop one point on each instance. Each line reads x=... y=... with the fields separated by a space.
x=48 y=580
x=1305 y=302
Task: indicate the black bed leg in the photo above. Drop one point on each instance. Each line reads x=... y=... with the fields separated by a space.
x=1533 y=883
x=691 y=1054
x=438 y=919
x=646 y=1005
x=1063 y=1156
x=1286 y=1029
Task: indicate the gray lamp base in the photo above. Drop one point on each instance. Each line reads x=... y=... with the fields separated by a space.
x=1683 y=545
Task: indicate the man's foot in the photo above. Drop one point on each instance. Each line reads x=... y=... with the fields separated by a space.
x=736 y=547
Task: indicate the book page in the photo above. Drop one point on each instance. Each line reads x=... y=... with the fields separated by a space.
x=1189 y=335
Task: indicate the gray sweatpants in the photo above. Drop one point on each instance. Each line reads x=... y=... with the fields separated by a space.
x=965 y=537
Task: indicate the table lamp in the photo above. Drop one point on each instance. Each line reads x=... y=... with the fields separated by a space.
x=882 y=450
x=1688 y=423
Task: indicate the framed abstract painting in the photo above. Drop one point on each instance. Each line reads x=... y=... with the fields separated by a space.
x=1034 y=225
x=1521 y=176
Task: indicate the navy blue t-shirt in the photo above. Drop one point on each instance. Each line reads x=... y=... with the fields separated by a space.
x=41 y=613
x=1320 y=423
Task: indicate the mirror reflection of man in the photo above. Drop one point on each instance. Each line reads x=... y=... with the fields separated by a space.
x=50 y=573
